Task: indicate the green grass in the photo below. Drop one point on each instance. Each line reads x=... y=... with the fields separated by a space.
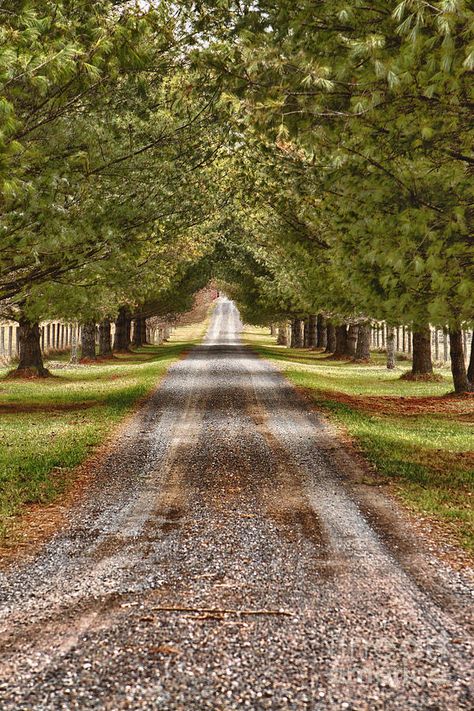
x=40 y=442
x=427 y=456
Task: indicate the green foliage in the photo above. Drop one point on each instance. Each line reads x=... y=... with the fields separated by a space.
x=372 y=107
x=313 y=158
x=106 y=158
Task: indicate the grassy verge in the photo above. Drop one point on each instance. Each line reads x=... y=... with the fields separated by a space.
x=47 y=427
x=419 y=438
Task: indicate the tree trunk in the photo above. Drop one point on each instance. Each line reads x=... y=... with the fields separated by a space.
x=341 y=341
x=390 y=347
x=273 y=328
x=436 y=344
x=458 y=366
x=282 y=338
x=29 y=346
x=88 y=341
x=306 y=333
x=138 y=331
x=445 y=344
x=470 y=370
x=296 y=333
x=322 y=332
x=105 y=339
x=352 y=340
x=312 y=331
x=422 y=364
x=122 y=331
x=143 y=327
x=363 y=342
x=331 y=338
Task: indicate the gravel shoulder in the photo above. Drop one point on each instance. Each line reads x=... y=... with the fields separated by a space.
x=223 y=559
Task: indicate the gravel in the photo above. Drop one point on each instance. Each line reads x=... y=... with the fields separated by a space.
x=220 y=561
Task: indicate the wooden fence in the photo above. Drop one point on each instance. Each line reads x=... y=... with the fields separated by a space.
x=404 y=341
x=57 y=336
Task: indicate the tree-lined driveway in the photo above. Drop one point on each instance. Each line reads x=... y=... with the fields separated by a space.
x=220 y=560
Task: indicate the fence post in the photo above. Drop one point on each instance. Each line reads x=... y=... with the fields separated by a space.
x=436 y=344
x=445 y=345
x=74 y=343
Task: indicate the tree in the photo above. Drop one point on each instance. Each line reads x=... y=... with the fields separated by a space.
x=100 y=135
x=88 y=332
x=362 y=354
x=458 y=366
x=30 y=357
x=470 y=370
x=105 y=338
x=374 y=101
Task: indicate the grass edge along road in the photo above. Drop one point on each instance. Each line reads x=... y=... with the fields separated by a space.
x=49 y=427
x=417 y=437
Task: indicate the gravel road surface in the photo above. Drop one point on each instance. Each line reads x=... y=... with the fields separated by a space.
x=220 y=560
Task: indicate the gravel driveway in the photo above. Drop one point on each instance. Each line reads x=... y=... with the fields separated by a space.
x=221 y=561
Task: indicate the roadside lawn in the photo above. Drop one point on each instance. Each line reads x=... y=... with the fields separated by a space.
x=418 y=436
x=48 y=427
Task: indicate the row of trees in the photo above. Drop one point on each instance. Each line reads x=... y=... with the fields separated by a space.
x=105 y=168
x=277 y=275
x=316 y=158
x=358 y=162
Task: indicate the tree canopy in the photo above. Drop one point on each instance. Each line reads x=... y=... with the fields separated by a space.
x=316 y=158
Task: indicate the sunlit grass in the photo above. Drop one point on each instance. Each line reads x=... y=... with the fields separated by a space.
x=354 y=379
x=428 y=457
